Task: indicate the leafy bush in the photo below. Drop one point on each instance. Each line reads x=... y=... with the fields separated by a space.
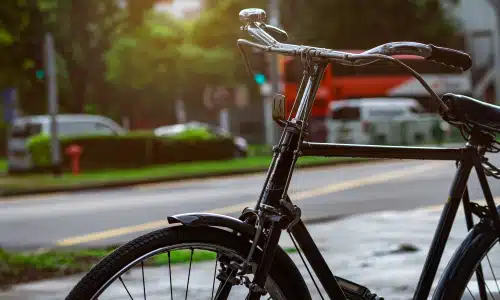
x=194 y=134
x=174 y=150
x=133 y=150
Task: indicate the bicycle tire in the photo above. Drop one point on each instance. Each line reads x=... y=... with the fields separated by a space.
x=283 y=272
x=465 y=260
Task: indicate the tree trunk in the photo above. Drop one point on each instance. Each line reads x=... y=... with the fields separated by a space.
x=77 y=68
x=78 y=79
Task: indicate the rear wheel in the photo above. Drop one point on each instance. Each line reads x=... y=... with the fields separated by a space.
x=474 y=270
x=124 y=272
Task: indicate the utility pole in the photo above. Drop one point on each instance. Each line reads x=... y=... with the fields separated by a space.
x=274 y=20
x=496 y=33
x=53 y=105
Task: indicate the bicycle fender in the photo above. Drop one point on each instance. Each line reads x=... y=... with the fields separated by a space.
x=216 y=220
x=281 y=258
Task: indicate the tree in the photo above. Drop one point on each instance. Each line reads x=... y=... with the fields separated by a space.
x=13 y=29
x=219 y=27
x=21 y=45
x=360 y=24
x=85 y=30
x=338 y=23
x=158 y=62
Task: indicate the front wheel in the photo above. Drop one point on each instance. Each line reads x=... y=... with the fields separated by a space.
x=180 y=257
x=474 y=269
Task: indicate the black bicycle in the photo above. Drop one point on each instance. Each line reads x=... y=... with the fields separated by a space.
x=245 y=252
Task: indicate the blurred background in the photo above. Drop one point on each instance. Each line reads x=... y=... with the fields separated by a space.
x=146 y=64
x=102 y=102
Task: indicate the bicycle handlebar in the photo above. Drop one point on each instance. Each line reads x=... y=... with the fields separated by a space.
x=430 y=52
x=254 y=18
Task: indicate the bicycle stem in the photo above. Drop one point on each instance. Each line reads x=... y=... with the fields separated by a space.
x=271 y=206
x=275 y=188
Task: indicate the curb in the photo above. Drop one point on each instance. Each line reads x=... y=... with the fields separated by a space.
x=130 y=183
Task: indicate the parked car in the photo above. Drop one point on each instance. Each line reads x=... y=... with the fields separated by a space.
x=240 y=143
x=23 y=128
x=379 y=121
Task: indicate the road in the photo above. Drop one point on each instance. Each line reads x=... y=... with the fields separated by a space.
x=110 y=217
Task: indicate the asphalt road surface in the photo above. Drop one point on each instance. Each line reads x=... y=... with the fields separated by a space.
x=111 y=217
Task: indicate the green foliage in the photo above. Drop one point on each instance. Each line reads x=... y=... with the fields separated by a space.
x=43 y=261
x=84 y=30
x=337 y=24
x=39 y=147
x=182 y=256
x=219 y=27
x=135 y=62
x=347 y=24
x=6 y=38
x=161 y=55
x=17 y=267
x=142 y=149
x=146 y=57
x=159 y=62
x=194 y=134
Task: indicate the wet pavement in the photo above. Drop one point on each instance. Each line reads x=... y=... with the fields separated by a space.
x=384 y=251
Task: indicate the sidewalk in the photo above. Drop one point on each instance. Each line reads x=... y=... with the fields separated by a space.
x=384 y=251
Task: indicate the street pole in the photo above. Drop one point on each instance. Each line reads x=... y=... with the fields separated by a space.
x=496 y=33
x=50 y=66
x=274 y=20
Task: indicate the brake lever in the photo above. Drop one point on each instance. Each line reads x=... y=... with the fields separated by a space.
x=278 y=34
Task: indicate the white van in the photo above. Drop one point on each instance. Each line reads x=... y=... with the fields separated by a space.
x=378 y=121
x=18 y=156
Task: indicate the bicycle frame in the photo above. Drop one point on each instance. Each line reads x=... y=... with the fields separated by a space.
x=292 y=146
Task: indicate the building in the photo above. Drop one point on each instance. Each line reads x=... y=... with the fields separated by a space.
x=478 y=23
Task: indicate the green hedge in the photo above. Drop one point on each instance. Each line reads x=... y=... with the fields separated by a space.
x=133 y=150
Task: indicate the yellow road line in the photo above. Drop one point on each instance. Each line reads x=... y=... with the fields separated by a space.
x=35 y=197
x=438 y=207
x=332 y=188
x=103 y=235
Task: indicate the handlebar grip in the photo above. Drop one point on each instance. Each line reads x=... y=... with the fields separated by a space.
x=450 y=57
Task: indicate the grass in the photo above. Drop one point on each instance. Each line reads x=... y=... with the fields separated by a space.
x=259 y=159
x=18 y=267
x=252 y=163
x=3 y=165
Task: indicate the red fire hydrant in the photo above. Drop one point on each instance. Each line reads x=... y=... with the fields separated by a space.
x=74 y=152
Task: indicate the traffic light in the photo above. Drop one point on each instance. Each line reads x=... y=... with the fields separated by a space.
x=260 y=66
x=260 y=78
x=38 y=58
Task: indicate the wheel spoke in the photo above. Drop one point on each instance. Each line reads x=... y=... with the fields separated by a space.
x=487 y=287
x=143 y=280
x=215 y=275
x=189 y=272
x=221 y=288
x=481 y=283
x=123 y=283
x=170 y=275
x=493 y=273
x=305 y=264
x=472 y=295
